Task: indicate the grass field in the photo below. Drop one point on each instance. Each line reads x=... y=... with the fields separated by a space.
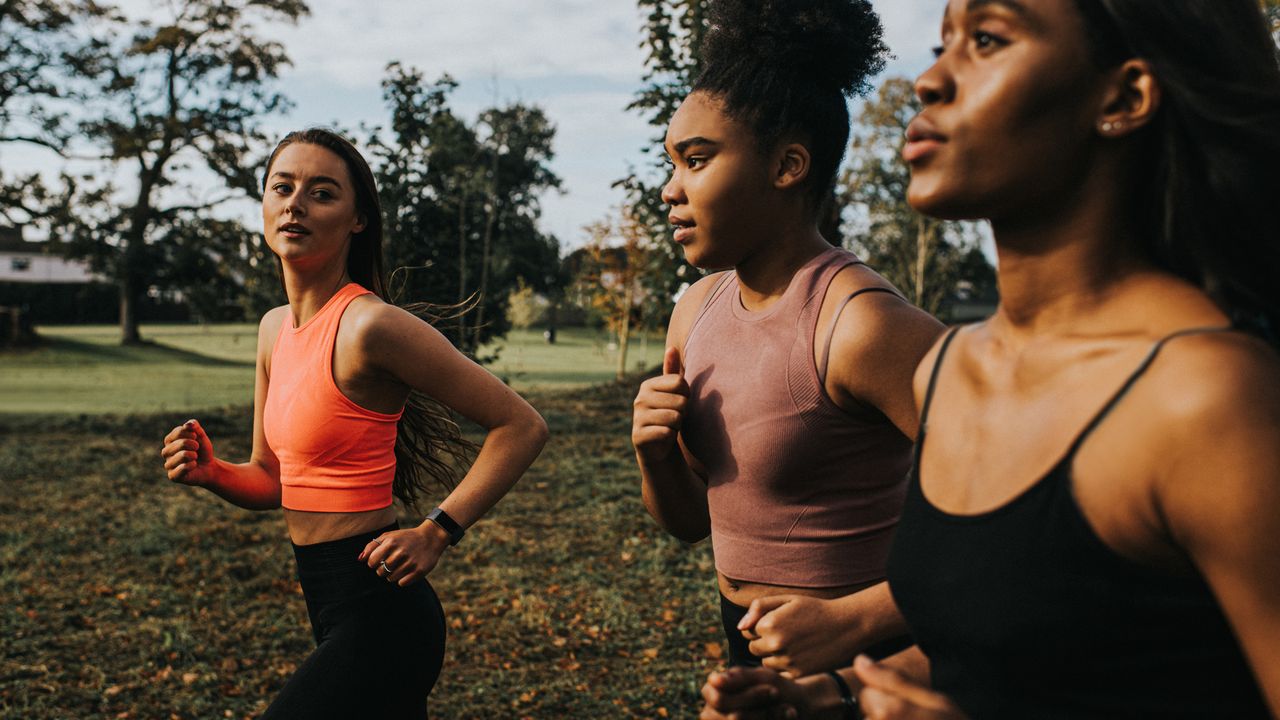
x=194 y=368
x=124 y=596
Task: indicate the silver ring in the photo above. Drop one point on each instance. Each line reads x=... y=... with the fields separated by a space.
x=385 y=568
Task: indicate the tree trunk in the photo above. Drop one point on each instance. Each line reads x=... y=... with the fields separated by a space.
x=129 y=334
x=624 y=329
x=922 y=257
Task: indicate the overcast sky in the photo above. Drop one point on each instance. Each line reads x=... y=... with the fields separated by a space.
x=578 y=59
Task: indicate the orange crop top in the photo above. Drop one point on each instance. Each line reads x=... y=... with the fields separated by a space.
x=335 y=456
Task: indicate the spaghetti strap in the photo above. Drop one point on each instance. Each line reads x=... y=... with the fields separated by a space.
x=1131 y=381
x=826 y=349
x=933 y=380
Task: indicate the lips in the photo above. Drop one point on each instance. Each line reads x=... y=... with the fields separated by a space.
x=294 y=230
x=684 y=228
x=923 y=139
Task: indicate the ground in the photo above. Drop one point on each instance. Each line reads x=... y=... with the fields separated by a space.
x=124 y=596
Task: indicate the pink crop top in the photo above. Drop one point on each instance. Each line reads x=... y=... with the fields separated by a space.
x=801 y=493
x=335 y=456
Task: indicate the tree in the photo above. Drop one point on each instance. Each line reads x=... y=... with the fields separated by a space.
x=462 y=202
x=37 y=41
x=1272 y=10
x=172 y=94
x=611 y=277
x=672 y=33
x=929 y=260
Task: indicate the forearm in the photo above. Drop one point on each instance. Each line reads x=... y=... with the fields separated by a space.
x=911 y=663
x=507 y=452
x=870 y=616
x=675 y=496
x=248 y=485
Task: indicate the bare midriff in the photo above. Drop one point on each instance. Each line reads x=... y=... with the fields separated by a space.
x=741 y=592
x=309 y=528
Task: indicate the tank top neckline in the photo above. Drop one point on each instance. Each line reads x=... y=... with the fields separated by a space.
x=334 y=299
x=1061 y=468
x=742 y=313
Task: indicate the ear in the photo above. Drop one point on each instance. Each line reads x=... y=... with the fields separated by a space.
x=791 y=166
x=1130 y=101
x=361 y=221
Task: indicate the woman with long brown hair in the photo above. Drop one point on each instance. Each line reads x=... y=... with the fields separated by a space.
x=350 y=409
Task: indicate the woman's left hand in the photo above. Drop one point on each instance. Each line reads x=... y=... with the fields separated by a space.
x=406 y=556
x=888 y=695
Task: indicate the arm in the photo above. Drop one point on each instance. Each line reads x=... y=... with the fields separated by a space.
x=672 y=485
x=802 y=635
x=1221 y=495
x=892 y=688
x=404 y=348
x=878 y=342
x=188 y=451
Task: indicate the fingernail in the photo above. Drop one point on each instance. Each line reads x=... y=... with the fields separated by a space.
x=862 y=661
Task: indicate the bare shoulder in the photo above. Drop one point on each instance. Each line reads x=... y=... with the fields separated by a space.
x=268 y=328
x=1215 y=410
x=877 y=325
x=687 y=307
x=1224 y=377
x=376 y=326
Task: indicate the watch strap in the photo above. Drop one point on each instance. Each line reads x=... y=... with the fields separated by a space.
x=451 y=526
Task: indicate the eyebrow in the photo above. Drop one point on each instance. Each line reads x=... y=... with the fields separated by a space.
x=1012 y=5
x=687 y=143
x=314 y=180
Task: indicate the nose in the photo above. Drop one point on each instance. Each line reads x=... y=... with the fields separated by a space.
x=673 y=191
x=295 y=206
x=936 y=84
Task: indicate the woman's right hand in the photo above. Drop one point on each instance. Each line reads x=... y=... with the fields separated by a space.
x=752 y=694
x=188 y=455
x=659 y=409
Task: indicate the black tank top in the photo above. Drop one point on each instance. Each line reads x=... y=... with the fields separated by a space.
x=1024 y=612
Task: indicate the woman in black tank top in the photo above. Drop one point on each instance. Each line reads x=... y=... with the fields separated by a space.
x=1092 y=527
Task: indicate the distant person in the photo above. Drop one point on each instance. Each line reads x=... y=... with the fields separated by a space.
x=1093 y=524
x=781 y=424
x=336 y=434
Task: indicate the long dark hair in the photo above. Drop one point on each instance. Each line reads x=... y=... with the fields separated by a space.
x=1206 y=209
x=787 y=66
x=429 y=444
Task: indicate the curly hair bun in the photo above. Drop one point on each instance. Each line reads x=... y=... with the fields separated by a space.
x=835 y=44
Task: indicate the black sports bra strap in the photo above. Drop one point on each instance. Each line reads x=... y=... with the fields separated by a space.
x=831 y=332
x=933 y=379
x=1133 y=380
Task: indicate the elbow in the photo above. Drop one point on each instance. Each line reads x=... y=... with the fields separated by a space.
x=539 y=432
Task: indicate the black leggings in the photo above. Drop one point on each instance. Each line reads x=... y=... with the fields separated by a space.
x=379 y=647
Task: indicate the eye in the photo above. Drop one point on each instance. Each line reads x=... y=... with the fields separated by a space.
x=282 y=188
x=987 y=41
x=937 y=51
x=693 y=162
x=322 y=194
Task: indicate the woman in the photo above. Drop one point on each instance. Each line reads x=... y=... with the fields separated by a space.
x=1093 y=524
x=338 y=429
x=794 y=464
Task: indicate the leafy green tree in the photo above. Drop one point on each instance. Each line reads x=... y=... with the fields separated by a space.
x=930 y=261
x=672 y=32
x=38 y=45
x=462 y=203
x=171 y=94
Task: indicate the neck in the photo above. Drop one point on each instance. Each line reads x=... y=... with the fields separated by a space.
x=763 y=276
x=1057 y=270
x=309 y=288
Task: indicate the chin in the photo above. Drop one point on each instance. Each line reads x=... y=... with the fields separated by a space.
x=940 y=202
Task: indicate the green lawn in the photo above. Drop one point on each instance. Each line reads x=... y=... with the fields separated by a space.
x=196 y=368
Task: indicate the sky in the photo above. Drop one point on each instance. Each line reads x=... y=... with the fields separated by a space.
x=579 y=60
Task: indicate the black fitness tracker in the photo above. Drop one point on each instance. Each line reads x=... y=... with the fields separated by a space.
x=441 y=518
x=847 y=700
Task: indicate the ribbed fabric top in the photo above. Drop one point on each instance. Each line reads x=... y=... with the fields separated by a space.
x=801 y=493
x=335 y=456
x=1025 y=612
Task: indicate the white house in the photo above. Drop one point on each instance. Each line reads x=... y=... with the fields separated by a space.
x=37 y=262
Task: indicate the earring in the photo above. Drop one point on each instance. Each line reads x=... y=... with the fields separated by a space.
x=1108 y=126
